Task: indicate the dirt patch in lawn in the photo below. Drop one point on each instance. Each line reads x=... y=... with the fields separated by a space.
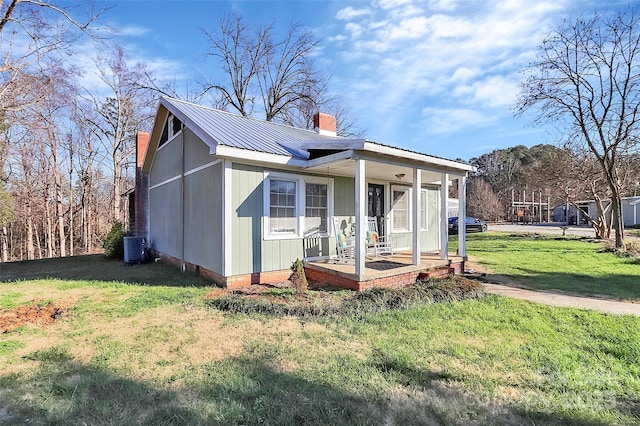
x=35 y=313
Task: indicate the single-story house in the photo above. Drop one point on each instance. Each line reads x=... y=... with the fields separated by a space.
x=581 y=211
x=240 y=199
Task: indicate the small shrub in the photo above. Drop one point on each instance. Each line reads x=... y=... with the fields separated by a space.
x=114 y=242
x=298 y=277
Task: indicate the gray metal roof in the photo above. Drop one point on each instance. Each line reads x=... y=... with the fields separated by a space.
x=217 y=127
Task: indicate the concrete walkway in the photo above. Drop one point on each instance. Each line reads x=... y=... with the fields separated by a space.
x=555 y=299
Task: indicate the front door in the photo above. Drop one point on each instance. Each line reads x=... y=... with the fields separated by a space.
x=376 y=205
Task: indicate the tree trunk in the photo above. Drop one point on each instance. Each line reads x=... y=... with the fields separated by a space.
x=29 y=242
x=38 y=243
x=71 y=248
x=5 y=245
x=48 y=228
x=116 y=199
x=617 y=221
x=59 y=212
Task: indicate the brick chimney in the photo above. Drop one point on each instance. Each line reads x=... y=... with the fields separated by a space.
x=142 y=142
x=141 y=201
x=325 y=124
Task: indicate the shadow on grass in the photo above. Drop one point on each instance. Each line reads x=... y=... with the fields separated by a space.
x=243 y=391
x=96 y=267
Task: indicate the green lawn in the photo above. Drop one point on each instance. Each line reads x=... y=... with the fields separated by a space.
x=545 y=263
x=154 y=353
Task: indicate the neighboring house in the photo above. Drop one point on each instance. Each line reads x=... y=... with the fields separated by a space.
x=588 y=208
x=240 y=199
x=453 y=207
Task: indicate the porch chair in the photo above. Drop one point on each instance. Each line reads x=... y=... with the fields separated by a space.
x=345 y=245
x=377 y=244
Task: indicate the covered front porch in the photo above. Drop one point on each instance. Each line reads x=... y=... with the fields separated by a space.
x=394 y=270
x=417 y=225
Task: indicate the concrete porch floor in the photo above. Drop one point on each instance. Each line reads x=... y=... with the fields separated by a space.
x=383 y=271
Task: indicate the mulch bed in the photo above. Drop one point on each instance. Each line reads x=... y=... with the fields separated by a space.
x=322 y=299
x=36 y=314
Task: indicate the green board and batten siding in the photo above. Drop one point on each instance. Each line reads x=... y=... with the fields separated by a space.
x=165 y=217
x=201 y=216
x=251 y=252
x=202 y=209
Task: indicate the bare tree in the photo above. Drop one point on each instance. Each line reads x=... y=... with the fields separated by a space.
x=586 y=80
x=30 y=30
x=127 y=107
x=482 y=201
x=287 y=73
x=277 y=74
x=240 y=53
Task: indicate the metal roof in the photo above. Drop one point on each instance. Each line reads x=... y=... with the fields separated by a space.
x=220 y=128
x=217 y=127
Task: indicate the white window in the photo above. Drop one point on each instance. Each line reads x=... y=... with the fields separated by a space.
x=400 y=209
x=296 y=206
x=282 y=207
x=172 y=127
x=316 y=199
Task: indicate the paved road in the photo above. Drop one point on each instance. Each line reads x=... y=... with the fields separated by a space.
x=544 y=229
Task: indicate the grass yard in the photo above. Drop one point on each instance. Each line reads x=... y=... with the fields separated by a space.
x=554 y=263
x=153 y=352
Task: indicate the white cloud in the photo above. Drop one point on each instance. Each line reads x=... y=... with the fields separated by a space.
x=444 y=5
x=349 y=13
x=467 y=59
x=391 y=4
x=355 y=29
x=449 y=120
x=410 y=28
x=131 y=31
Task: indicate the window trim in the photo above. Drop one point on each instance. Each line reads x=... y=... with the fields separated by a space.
x=170 y=135
x=301 y=181
x=424 y=214
x=408 y=191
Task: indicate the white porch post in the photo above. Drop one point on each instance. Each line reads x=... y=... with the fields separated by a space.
x=227 y=218
x=462 y=216
x=444 y=216
x=361 y=205
x=417 y=193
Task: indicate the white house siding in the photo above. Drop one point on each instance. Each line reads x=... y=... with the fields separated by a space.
x=430 y=239
x=631 y=212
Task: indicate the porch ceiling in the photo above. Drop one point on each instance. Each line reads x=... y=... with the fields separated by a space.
x=376 y=171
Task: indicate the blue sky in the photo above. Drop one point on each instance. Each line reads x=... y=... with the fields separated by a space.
x=437 y=76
